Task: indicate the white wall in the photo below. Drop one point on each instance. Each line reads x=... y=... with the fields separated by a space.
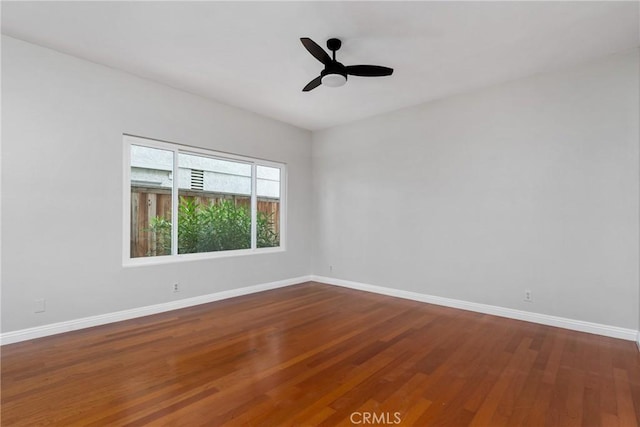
x=62 y=125
x=531 y=184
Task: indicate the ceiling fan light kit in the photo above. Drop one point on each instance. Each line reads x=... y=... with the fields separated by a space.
x=335 y=73
x=333 y=80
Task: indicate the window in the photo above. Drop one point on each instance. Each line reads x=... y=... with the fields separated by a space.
x=186 y=203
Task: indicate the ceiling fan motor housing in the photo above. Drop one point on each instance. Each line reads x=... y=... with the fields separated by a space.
x=334 y=67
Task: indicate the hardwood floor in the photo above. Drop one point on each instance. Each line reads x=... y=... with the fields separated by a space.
x=312 y=355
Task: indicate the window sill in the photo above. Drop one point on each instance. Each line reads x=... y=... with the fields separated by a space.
x=170 y=259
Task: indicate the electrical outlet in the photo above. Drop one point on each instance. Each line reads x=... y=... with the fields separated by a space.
x=527 y=295
x=176 y=287
x=39 y=306
x=331 y=269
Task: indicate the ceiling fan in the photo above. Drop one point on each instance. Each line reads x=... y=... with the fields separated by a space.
x=334 y=73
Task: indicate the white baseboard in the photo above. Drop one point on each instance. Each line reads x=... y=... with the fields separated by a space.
x=87 y=322
x=544 y=319
x=102 y=319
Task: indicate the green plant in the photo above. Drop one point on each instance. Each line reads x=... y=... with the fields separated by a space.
x=216 y=227
x=267 y=237
x=161 y=228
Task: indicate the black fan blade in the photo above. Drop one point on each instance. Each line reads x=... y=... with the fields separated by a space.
x=369 y=70
x=316 y=50
x=313 y=84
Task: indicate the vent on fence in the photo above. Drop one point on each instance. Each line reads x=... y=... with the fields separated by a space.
x=197 y=179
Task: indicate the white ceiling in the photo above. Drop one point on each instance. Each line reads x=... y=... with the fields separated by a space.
x=248 y=54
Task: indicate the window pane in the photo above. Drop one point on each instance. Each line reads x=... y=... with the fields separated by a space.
x=151 y=185
x=268 y=192
x=214 y=213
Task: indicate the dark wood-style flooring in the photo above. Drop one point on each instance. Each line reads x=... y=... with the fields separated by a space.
x=312 y=355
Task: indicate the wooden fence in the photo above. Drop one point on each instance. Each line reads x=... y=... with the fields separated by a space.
x=148 y=203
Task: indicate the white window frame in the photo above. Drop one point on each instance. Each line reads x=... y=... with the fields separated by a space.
x=129 y=140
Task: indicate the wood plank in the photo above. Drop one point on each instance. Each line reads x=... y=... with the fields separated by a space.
x=314 y=354
x=626 y=412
